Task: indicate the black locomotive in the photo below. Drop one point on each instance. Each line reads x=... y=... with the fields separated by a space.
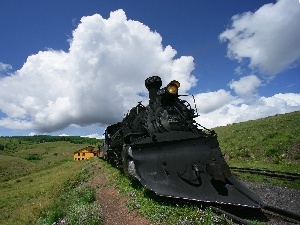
x=163 y=147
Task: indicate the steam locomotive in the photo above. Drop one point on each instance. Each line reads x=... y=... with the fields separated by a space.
x=163 y=147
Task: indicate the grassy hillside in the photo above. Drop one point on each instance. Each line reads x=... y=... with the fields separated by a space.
x=39 y=179
x=272 y=142
x=35 y=172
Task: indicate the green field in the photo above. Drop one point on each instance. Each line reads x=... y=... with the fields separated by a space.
x=40 y=181
x=270 y=142
x=33 y=173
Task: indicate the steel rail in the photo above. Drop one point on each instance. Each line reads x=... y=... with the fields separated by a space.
x=269 y=210
x=271 y=173
x=230 y=215
x=287 y=215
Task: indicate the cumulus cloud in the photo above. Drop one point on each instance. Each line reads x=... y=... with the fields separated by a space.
x=246 y=86
x=102 y=76
x=4 y=67
x=238 y=111
x=210 y=101
x=95 y=81
x=268 y=38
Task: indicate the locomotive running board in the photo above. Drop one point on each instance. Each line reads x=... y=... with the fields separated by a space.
x=183 y=169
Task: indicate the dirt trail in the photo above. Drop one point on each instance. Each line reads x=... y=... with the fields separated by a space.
x=114 y=207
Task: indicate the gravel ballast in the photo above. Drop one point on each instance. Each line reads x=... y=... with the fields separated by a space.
x=282 y=197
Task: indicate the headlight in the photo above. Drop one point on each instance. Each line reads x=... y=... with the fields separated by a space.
x=173 y=86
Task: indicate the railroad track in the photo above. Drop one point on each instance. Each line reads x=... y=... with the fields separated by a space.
x=267 y=214
x=269 y=173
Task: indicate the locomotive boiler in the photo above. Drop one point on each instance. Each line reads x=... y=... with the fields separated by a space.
x=163 y=147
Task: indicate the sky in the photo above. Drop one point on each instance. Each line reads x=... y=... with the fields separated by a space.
x=75 y=67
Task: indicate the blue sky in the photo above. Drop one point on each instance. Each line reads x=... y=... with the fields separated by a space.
x=66 y=70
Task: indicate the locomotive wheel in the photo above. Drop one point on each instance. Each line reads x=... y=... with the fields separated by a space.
x=128 y=163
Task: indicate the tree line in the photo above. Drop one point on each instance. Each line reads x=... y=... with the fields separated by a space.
x=6 y=142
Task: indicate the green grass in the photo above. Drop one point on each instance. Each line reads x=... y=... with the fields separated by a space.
x=76 y=202
x=263 y=179
x=33 y=175
x=23 y=198
x=30 y=157
x=272 y=142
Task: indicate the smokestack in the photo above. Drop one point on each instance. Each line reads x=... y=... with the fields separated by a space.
x=153 y=84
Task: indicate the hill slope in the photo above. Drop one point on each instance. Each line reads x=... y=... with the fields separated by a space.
x=273 y=140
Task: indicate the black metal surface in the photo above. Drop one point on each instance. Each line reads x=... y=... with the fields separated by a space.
x=169 y=170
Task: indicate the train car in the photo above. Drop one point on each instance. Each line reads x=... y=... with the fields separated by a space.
x=163 y=147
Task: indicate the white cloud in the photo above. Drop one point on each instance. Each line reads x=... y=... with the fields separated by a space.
x=239 y=111
x=18 y=124
x=268 y=40
x=269 y=37
x=246 y=86
x=102 y=76
x=95 y=82
x=4 y=67
x=97 y=136
x=210 y=101
x=32 y=134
